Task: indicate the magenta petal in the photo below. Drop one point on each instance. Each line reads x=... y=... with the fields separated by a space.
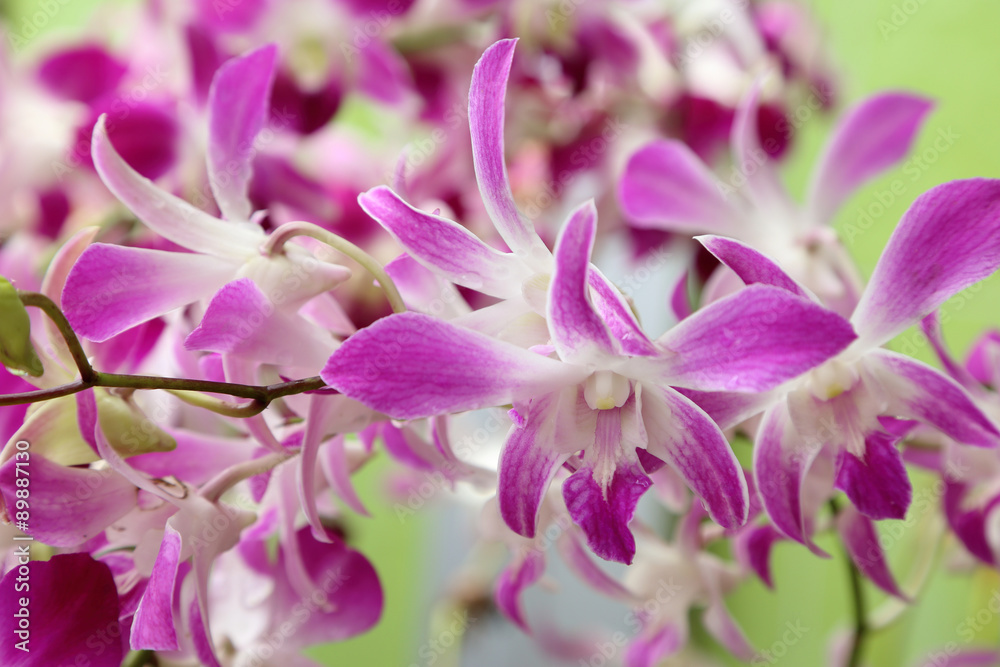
x=577 y=330
x=167 y=215
x=650 y=649
x=202 y=643
x=780 y=464
x=237 y=106
x=763 y=184
x=751 y=341
x=113 y=288
x=948 y=240
x=751 y=266
x=617 y=314
x=753 y=548
x=862 y=544
x=869 y=139
x=666 y=186
x=68 y=505
x=73 y=602
x=877 y=484
x=345 y=592
x=241 y=320
x=153 y=624
x=730 y=408
x=83 y=73
x=604 y=518
x=486 y=114
x=918 y=391
x=681 y=434
x=446 y=247
x=969 y=525
x=411 y=365
x=528 y=462
x=984 y=359
x=520 y=574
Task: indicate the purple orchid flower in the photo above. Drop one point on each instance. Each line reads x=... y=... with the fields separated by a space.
x=842 y=419
x=112 y=288
x=597 y=396
x=665 y=186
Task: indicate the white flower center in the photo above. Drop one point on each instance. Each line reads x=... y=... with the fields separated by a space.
x=605 y=390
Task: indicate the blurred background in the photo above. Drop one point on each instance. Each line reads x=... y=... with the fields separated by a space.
x=947 y=51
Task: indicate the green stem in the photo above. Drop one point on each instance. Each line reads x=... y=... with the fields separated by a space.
x=48 y=306
x=276 y=241
x=261 y=396
x=140 y=659
x=857 y=604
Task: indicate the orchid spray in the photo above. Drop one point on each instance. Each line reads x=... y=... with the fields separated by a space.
x=299 y=267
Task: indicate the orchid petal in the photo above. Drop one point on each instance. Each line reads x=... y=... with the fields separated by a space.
x=616 y=313
x=969 y=525
x=753 y=549
x=341 y=578
x=605 y=514
x=877 y=484
x=169 y=216
x=528 y=462
x=666 y=186
x=753 y=162
x=446 y=247
x=240 y=320
x=681 y=434
x=948 y=240
x=69 y=505
x=523 y=572
x=411 y=365
x=750 y=341
x=730 y=408
x=578 y=332
x=918 y=391
x=651 y=648
x=780 y=463
x=750 y=265
x=74 y=598
x=862 y=544
x=113 y=288
x=486 y=120
x=153 y=623
x=869 y=139
x=237 y=106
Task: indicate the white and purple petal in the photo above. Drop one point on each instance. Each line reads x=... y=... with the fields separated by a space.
x=681 y=434
x=870 y=138
x=238 y=103
x=749 y=341
x=410 y=365
x=948 y=240
x=169 y=216
x=666 y=186
x=578 y=332
x=486 y=120
x=446 y=247
x=113 y=288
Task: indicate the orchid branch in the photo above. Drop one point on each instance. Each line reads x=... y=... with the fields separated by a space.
x=861 y=626
x=260 y=396
x=276 y=241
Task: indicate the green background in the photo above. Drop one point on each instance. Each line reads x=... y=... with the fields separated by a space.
x=949 y=51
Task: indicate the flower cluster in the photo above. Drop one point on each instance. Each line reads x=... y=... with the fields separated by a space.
x=188 y=310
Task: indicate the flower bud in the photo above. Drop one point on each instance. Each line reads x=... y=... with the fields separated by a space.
x=16 y=351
